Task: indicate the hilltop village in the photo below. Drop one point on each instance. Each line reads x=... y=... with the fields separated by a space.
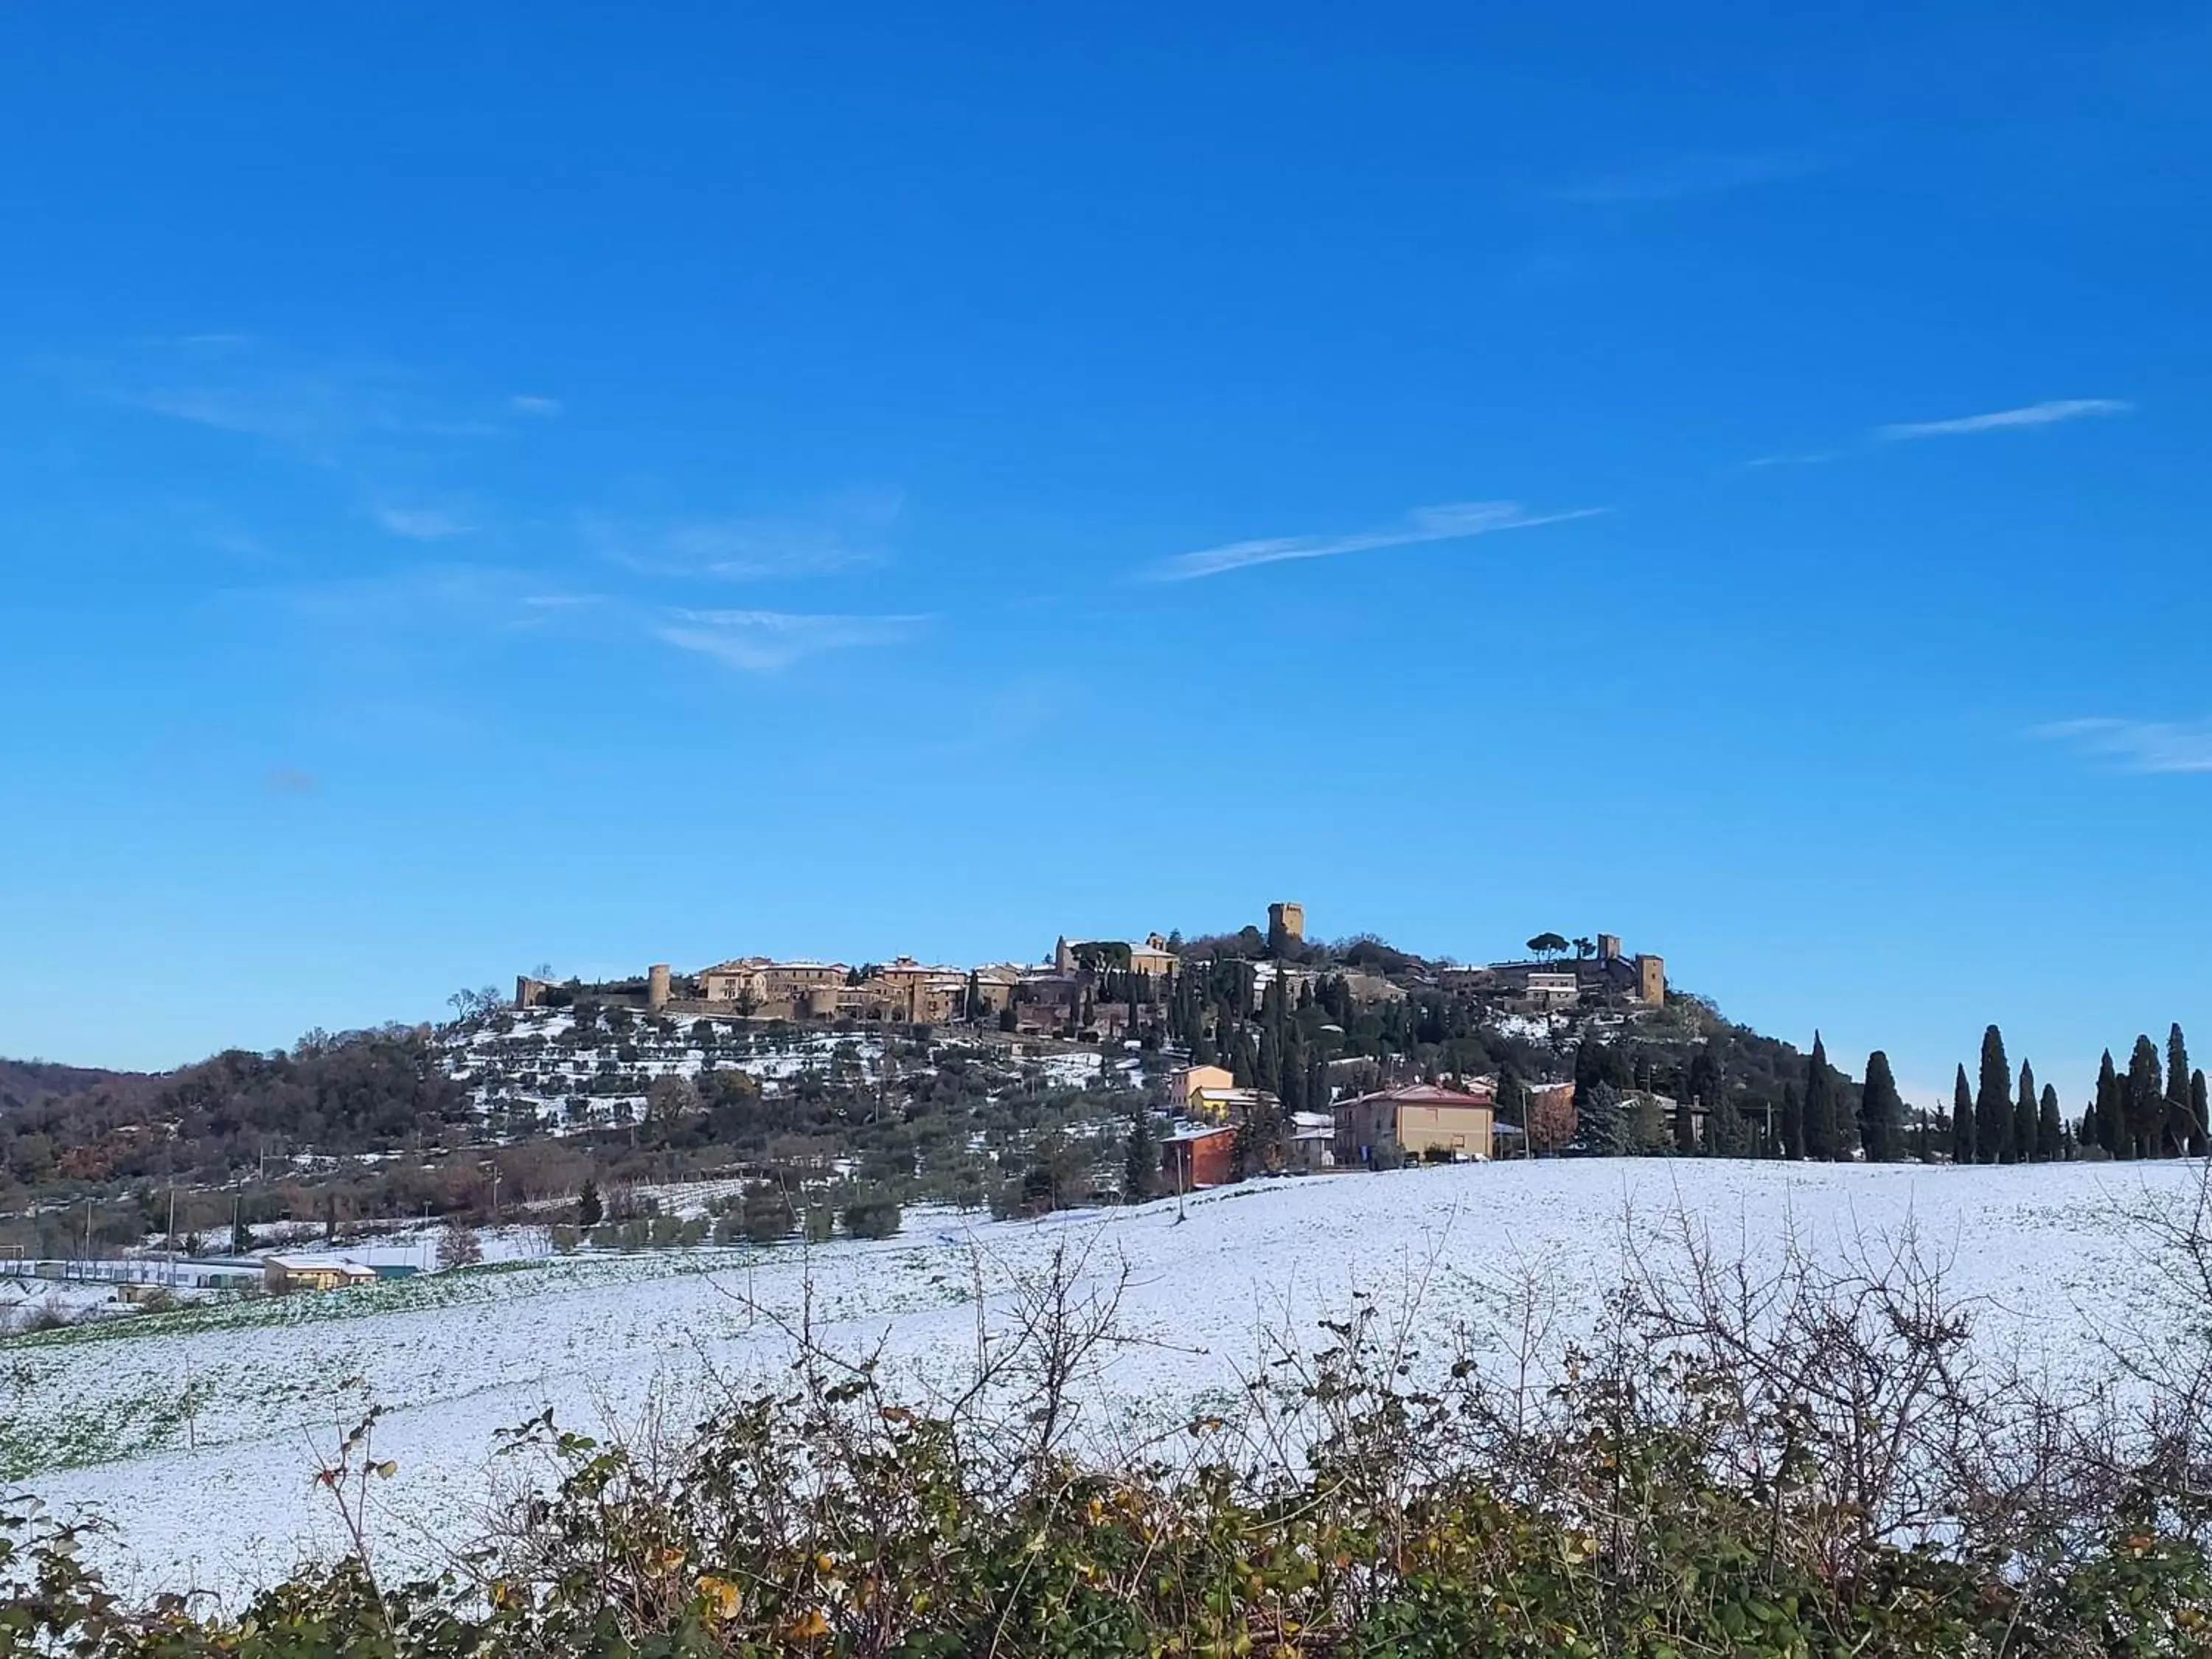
x=1260 y=1064
x=1105 y=990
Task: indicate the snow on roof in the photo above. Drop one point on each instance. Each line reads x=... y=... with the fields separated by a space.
x=318 y=1264
x=1200 y=1131
x=1424 y=1094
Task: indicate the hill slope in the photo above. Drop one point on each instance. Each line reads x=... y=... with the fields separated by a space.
x=94 y=1414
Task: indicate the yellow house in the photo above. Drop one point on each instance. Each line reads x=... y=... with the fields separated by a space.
x=1152 y=957
x=1185 y=1082
x=1420 y=1120
x=1229 y=1105
x=282 y=1273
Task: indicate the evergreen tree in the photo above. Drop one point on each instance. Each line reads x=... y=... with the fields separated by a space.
x=1599 y=1123
x=1260 y=1137
x=1962 y=1120
x=2200 y=1125
x=2112 y=1132
x=1993 y=1103
x=1820 y=1122
x=2050 y=1127
x=1726 y=1133
x=590 y=1212
x=2025 y=1128
x=1685 y=1128
x=1793 y=1122
x=1924 y=1147
x=2144 y=1089
x=1705 y=1086
x=1140 y=1176
x=2177 y=1113
x=1881 y=1111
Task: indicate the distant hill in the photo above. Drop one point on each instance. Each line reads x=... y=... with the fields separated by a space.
x=24 y=1081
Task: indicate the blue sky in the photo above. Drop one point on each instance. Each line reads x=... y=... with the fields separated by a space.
x=489 y=485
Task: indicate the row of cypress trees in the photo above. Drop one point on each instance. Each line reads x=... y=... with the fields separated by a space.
x=1816 y=1121
x=2152 y=1111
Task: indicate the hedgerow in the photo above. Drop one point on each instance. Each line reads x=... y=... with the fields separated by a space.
x=1815 y=1463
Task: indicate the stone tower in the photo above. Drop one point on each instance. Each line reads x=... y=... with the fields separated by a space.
x=1652 y=979
x=1286 y=923
x=1608 y=947
x=656 y=987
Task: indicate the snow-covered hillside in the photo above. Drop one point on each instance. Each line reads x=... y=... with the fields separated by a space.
x=532 y=1071
x=196 y=1433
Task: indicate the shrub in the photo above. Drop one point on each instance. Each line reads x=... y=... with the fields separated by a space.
x=1669 y=1495
x=768 y=1216
x=458 y=1246
x=876 y=1216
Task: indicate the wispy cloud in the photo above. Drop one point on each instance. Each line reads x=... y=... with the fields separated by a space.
x=1455 y=521
x=233 y=383
x=847 y=532
x=2003 y=420
x=1804 y=458
x=357 y=413
x=765 y=642
x=1707 y=172
x=424 y=604
x=419 y=524
x=2137 y=745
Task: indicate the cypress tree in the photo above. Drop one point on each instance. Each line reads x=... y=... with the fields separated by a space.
x=1705 y=1081
x=2025 y=1133
x=2111 y=1130
x=2178 y=1114
x=1881 y=1112
x=1962 y=1120
x=2145 y=1092
x=1141 y=1154
x=1793 y=1122
x=2200 y=1125
x=2050 y=1128
x=1725 y=1134
x=1818 y=1130
x=1993 y=1103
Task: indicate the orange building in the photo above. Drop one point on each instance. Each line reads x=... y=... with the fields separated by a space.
x=1196 y=1157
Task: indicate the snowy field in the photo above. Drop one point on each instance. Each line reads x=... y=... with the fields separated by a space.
x=196 y=1433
